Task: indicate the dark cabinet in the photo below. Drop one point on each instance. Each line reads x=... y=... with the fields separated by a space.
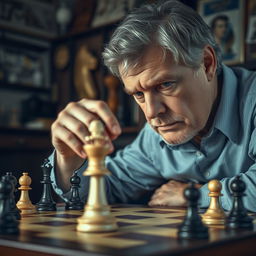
x=23 y=150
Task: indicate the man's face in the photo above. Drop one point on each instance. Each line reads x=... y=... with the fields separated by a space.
x=175 y=99
x=220 y=29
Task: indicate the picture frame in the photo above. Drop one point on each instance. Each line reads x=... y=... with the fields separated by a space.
x=27 y=67
x=110 y=11
x=31 y=17
x=226 y=20
x=251 y=31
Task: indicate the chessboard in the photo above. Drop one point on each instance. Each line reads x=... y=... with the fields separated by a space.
x=142 y=230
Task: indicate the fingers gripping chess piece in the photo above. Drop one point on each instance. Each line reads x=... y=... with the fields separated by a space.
x=96 y=129
x=24 y=203
x=214 y=215
x=97 y=214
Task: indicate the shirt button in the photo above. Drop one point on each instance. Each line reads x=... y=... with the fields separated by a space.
x=198 y=153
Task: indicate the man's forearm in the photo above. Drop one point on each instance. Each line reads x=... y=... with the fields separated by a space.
x=65 y=166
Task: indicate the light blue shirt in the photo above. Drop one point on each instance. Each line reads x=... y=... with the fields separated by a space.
x=228 y=149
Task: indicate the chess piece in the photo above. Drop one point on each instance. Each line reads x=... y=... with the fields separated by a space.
x=97 y=215
x=46 y=202
x=24 y=203
x=238 y=217
x=13 y=208
x=192 y=226
x=112 y=84
x=8 y=222
x=214 y=215
x=85 y=64
x=74 y=202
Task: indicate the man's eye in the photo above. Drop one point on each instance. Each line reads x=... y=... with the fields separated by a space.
x=166 y=85
x=138 y=95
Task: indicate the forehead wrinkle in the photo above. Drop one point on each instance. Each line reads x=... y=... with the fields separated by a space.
x=136 y=79
x=132 y=82
x=152 y=70
x=157 y=78
x=148 y=80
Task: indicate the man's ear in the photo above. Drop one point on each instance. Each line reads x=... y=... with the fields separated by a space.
x=209 y=62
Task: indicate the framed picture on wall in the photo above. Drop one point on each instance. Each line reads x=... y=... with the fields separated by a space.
x=25 y=67
x=251 y=31
x=226 y=20
x=31 y=17
x=110 y=11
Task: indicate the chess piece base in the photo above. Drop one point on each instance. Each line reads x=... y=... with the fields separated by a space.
x=26 y=208
x=193 y=232
x=212 y=217
x=46 y=208
x=212 y=221
x=74 y=206
x=243 y=222
x=94 y=228
x=28 y=211
x=97 y=219
x=9 y=225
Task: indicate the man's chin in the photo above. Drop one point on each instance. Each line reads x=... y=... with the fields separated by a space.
x=176 y=137
x=177 y=140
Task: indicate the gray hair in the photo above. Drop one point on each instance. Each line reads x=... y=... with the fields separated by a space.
x=172 y=25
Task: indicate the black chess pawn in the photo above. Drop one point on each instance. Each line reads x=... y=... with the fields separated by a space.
x=74 y=203
x=8 y=222
x=238 y=216
x=192 y=226
x=46 y=202
x=13 y=208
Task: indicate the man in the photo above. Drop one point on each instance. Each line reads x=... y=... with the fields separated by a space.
x=200 y=114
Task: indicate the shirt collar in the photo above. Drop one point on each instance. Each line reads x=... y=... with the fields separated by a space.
x=226 y=119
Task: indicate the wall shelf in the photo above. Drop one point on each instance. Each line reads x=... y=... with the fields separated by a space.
x=24 y=88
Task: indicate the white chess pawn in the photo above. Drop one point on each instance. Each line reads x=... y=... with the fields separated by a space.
x=24 y=204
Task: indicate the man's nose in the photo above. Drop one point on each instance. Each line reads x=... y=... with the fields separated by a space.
x=154 y=106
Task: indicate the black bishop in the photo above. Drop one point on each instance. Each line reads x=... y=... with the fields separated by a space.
x=46 y=202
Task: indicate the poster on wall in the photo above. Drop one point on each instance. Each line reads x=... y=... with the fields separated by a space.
x=25 y=67
x=251 y=31
x=109 y=11
x=32 y=17
x=226 y=21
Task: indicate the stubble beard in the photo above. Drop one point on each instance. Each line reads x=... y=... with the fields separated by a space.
x=178 y=139
x=174 y=137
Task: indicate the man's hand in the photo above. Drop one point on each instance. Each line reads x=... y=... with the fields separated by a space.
x=170 y=194
x=69 y=131
x=71 y=126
